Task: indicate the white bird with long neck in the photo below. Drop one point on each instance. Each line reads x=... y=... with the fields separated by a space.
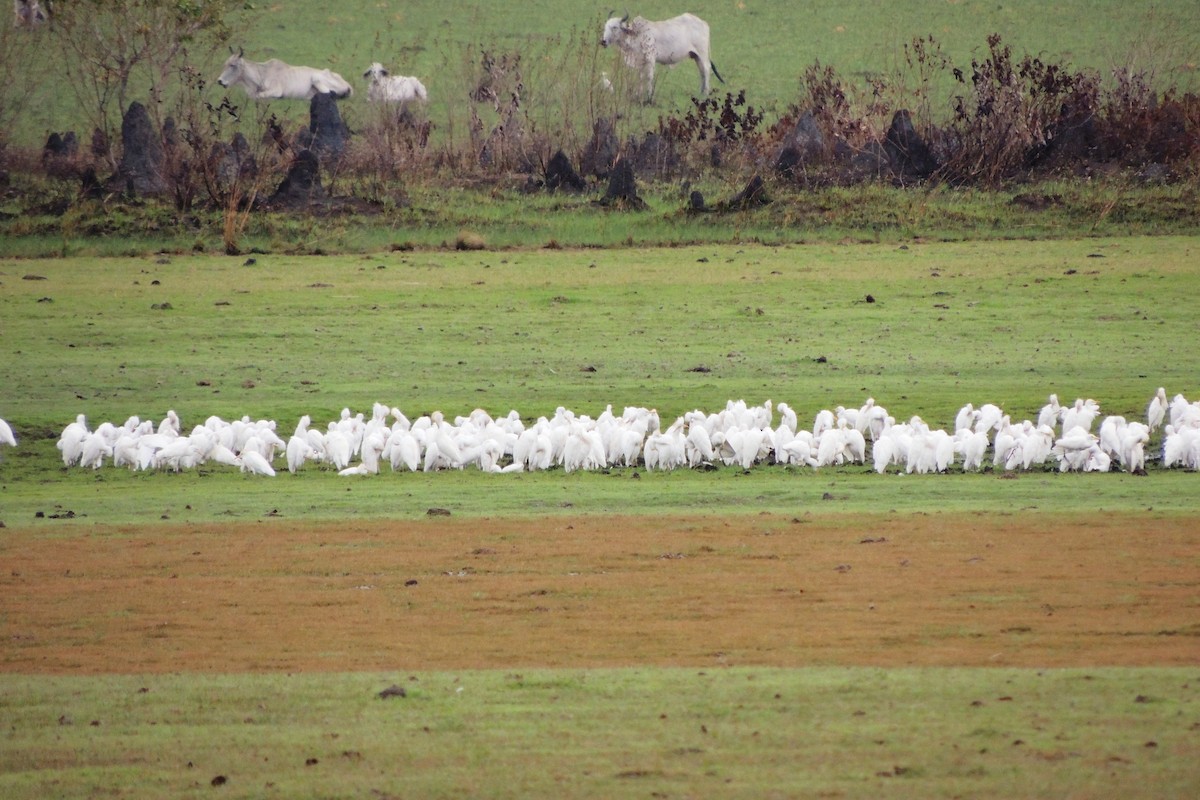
x=1074 y=449
x=1037 y=446
x=972 y=446
x=1081 y=415
x=823 y=421
x=1181 y=448
x=299 y=450
x=71 y=440
x=402 y=450
x=1051 y=413
x=1156 y=410
x=966 y=418
x=787 y=417
x=94 y=450
x=1111 y=430
x=1131 y=454
x=698 y=447
x=170 y=424
x=989 y=419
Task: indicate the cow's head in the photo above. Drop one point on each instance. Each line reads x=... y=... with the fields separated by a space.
x=376 y=71
x=233 y=68
x=614 y=29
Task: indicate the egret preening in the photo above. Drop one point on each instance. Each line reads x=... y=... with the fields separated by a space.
x=883 y=454
x=1081 y=415
x=1156 y=411
x=1182 y=413
x=1050 y=413
x=1181 y=448
x=988 y=418
x=787 y=417
x=966 y=418
x=253 y=462
x=70 y=443
x=1079 y=451
x=1132 y=453
x=298 y=451
x=972 y=446
x=1110 y=435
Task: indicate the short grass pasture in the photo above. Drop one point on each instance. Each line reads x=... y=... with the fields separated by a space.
x=922 y=328
x=779 y=632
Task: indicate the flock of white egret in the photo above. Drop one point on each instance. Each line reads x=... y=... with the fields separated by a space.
x=739 y=435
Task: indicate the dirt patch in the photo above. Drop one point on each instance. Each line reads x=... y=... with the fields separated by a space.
x=970 y=590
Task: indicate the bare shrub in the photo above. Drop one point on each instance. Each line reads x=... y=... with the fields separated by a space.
x=1139 y=127
x=511 y=108
x=1010 y=113
x=211 y=162
x=114 y=50
x=855 y=116
x=851 y=122
x=714 y=132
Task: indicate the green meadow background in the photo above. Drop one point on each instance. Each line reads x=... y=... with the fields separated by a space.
x=759 y=46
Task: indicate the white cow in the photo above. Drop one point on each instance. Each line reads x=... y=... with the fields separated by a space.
x=385 y=87
x=28 y=14
x=275 y=80
x=645 y=44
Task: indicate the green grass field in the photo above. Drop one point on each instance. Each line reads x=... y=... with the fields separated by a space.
x=950 y=323
x=745 y=733
x=1007 y=323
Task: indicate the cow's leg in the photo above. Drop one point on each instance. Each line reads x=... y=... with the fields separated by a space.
x=649 y=71
x=268 y=91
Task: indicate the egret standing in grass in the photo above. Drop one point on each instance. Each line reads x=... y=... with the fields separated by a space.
x=6 y=434
x=1156 y=411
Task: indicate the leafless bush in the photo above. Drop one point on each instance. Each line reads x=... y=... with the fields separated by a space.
x=1011 y=113
x=209 y=160
x=1138 y=126
x=391 y=148
x=511 y=109
x=714 y=131
x=835 y=132
x=112 y=48
x=856 y=116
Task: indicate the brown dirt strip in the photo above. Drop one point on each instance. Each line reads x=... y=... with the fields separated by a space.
x=962 y=590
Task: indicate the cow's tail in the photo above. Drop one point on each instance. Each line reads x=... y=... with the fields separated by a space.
x=714 y=69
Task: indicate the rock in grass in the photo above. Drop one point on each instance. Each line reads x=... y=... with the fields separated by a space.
x=622 y=189
x=469 y=240
x=561 y=175
x=753 y=196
